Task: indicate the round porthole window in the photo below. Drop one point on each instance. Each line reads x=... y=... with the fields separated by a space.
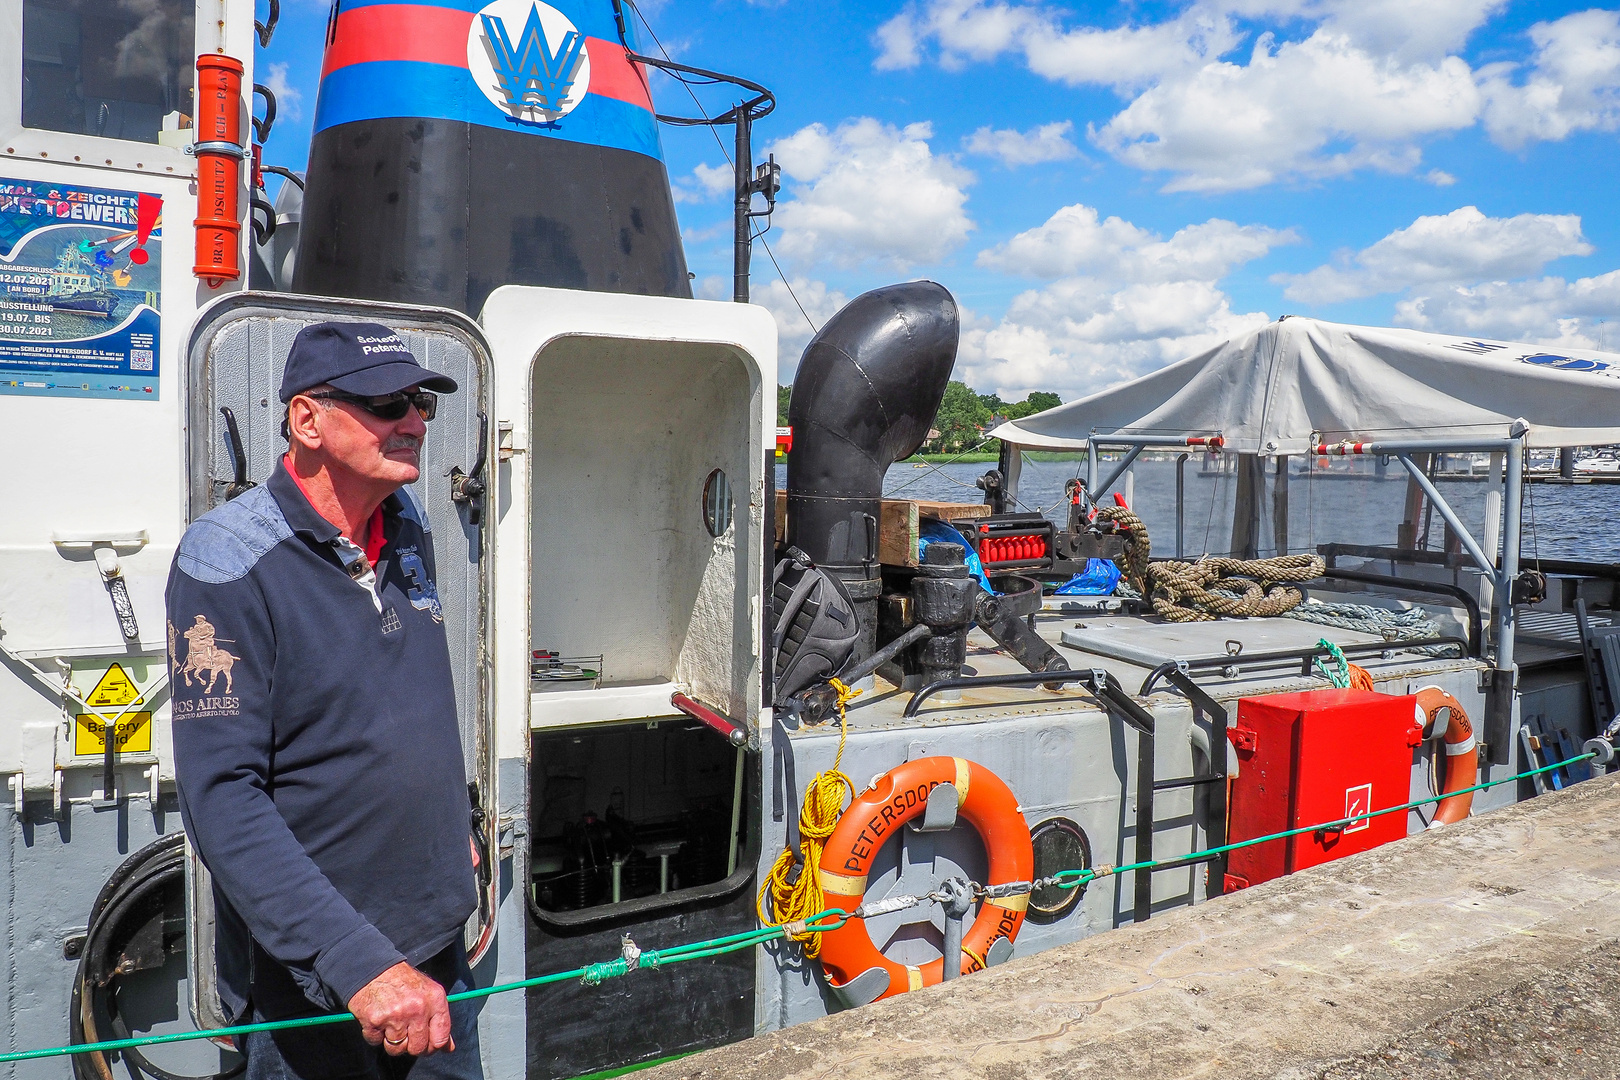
x=717 y=503
x=1060 y=844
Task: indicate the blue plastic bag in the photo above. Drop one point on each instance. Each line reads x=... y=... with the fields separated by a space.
x=930 y=531
x=1097 y=579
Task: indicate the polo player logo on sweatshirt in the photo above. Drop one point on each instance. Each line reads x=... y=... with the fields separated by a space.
x=206 y=663
x=204 y=657
x=537 y=76
x=423 y=594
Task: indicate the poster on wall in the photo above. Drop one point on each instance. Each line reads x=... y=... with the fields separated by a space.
x=81 y=272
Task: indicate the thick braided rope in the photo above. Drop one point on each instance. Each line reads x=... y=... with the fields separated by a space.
x=1137 y=544
x=1213 y=587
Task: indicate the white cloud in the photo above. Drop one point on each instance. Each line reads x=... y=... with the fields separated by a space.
x=869 y=192
x=1572 y=84
x=1049 y=142
x=1126 y=301
x=964 y=30
x=289 y=99
x=1406 y=30
x=792 y=328
x=1439 y=178
x=1080 y=335
x=897 y=42
x=1581 y=314
x=1320 y=107
x=693 y=236
x=1335 y=86
x=1075 y=241
x=706 y=182
x=1462 y=246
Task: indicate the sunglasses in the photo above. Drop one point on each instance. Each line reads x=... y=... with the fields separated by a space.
x=389 y=406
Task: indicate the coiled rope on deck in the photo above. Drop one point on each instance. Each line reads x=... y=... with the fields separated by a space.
x=793 y=883
x=1388 y=624
x=1205 y=590
x=1138 y=545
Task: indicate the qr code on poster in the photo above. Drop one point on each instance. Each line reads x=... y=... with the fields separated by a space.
x=140 y=359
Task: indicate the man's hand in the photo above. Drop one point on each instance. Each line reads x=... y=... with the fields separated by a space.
x=404 y=1012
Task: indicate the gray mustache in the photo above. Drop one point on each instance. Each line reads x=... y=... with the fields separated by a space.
x=402 y=442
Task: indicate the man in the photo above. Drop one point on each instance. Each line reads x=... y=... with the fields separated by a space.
x=316 y=745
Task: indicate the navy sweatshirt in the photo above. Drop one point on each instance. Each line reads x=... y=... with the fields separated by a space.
x=316 y=746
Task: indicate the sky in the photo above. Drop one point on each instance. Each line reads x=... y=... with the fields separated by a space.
x=1109 y=187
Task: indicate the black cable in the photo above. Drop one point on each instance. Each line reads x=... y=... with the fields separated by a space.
x=814 y=329
x=284 y=172
x=146 y=875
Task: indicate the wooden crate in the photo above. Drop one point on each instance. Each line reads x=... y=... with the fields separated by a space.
x=898 y=524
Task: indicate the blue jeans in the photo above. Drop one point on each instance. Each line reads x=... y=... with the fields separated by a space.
x=337 y=1052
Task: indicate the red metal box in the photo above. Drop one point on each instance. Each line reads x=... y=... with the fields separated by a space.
x=1315 y=757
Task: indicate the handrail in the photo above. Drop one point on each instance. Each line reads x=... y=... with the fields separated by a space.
x=1569 y=567
x=1115 y=698
x=1476 y=636
x=751 y=108
x=1303 y=656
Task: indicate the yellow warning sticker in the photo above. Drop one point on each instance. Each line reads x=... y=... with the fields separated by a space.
x=131 y=735
x=115 y=689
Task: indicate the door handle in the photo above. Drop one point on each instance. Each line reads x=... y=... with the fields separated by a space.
x=239 y=481
x=468 y=487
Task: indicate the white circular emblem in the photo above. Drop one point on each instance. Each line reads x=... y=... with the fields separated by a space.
x=529 y=60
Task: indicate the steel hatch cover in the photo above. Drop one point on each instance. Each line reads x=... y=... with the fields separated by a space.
x=1149 y=644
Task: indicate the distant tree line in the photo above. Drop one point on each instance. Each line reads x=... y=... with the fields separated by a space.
x=963 y=418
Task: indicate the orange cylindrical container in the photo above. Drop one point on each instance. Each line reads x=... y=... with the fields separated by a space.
x=218 y=127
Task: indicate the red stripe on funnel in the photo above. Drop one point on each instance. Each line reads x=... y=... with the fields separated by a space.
x=430 y=35
x=614 y=76
x=435 y=35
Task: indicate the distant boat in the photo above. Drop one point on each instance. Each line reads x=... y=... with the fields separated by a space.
x=1604 y=462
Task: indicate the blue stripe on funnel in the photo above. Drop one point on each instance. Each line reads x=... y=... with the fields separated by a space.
x=394 y=88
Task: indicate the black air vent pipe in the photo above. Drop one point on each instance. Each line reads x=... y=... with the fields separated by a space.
x=865 y=394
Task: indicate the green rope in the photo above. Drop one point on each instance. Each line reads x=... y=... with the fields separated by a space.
x=1340 y=678
x=821 y=923
x=1071 y=879
x=590 y=974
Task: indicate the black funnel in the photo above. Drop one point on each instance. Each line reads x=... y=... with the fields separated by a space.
x=865 y=394
x=459 y=148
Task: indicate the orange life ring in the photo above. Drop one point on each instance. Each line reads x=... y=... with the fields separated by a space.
x=1462 y=756
x=876 y=814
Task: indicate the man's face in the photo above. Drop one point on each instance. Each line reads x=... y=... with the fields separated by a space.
x=369 y=447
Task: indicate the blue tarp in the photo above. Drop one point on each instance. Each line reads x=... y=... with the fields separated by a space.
x=1097 y=579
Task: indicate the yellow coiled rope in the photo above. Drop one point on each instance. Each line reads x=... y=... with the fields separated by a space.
x=793 y=900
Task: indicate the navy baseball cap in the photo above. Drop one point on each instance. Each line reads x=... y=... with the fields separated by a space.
x=358 y=358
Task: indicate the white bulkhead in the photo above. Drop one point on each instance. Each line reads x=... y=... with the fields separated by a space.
x=94 y=482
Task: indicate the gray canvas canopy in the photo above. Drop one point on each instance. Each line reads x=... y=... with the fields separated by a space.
x=1272 y=390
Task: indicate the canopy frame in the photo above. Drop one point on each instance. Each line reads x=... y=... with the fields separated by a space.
x=1501 y=573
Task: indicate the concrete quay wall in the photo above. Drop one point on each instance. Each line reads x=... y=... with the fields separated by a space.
x=1488 y=949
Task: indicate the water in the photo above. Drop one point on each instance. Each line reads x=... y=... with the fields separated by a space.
x=1346 y=502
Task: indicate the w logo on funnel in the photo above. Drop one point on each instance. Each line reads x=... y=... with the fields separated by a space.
x=532 y=76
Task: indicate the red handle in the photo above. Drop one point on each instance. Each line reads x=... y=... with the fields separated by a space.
x=735 y=734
